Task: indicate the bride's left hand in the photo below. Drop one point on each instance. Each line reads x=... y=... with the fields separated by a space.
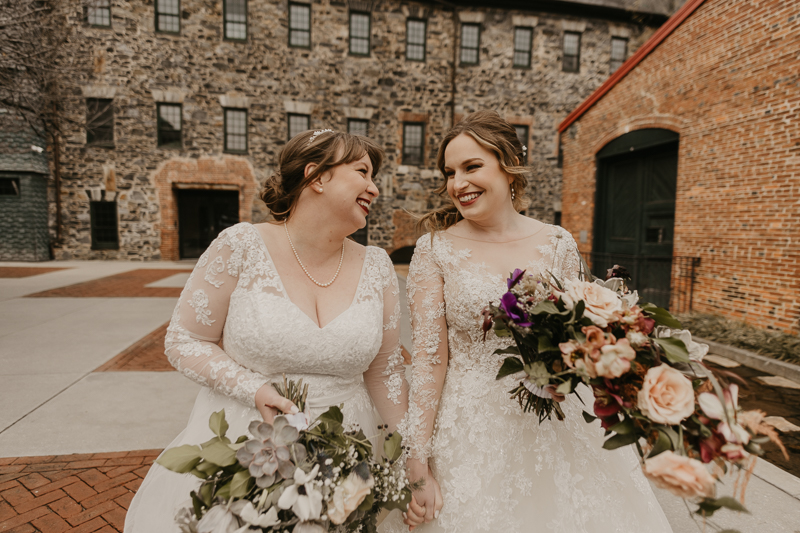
x=556 y=396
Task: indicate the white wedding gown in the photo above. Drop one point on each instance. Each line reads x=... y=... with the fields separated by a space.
x=499 y=470
x=235 y=294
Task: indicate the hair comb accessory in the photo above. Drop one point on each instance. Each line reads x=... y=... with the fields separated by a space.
x=317 y=134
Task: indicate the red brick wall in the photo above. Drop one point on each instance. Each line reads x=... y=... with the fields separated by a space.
x=227 y=172
x=728 y=81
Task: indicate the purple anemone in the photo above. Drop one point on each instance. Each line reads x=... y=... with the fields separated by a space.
x=508 y=303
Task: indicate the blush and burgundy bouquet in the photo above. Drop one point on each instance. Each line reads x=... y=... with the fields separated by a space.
x=650 y=386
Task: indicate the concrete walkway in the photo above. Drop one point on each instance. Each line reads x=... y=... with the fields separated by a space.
x=55 y=402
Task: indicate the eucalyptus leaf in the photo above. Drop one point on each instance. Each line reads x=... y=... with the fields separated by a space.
x=674 y=349
x=511 y=349
x=618 y=441
x=224 y=491
x=662 y=444
x=207 y=493
x=545 y=345
x=671 y=434
x=661 y=316
x=240 y=484
x=710 y=505
x=181 y=459
x=623 y=428
x=537 y=373
x=511 y=365
x=392 y=446
x=218 y=424
x=219 y=453
x=333 y=414
x=565 y=388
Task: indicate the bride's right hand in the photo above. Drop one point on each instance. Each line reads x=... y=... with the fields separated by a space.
x=269 y=403
x=426 y=502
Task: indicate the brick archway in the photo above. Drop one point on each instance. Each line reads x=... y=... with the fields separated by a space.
x=224 y=173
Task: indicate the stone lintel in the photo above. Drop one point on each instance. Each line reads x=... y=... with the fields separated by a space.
x=474 y=17
x=573 y=25
x=415 y=12
x=301 y=108
x=234 y=101
x=525 y=21
x=168 y=96
x=619 y=31
x=406 y=116
x=99 y=91
x=110 y=177
x=363 y=113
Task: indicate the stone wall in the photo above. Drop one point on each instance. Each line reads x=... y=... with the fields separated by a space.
x=727 y=81
x=138 y=67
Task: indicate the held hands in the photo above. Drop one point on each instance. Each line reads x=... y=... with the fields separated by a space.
x=269 y=403
x=427 y=501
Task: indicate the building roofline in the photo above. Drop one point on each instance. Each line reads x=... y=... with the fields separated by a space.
x=563 y=7
x=658 y=37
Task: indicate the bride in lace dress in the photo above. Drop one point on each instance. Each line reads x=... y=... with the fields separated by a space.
x=499 y=470
x=251 y=311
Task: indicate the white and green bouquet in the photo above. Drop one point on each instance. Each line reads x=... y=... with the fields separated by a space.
x=290 y=476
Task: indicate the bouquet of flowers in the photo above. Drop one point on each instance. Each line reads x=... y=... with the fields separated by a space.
x=289 y=475
x=650 y=386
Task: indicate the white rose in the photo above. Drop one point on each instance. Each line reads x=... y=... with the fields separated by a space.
x=601 y=303
x=218 y=519
x=667 y=396
x=696 y=350
x=615 y=359
x=348 y=496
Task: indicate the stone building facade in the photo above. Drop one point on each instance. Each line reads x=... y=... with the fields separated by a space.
x=138 y=71
x=724 y=82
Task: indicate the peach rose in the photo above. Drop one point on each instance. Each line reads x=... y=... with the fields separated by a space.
x=682 y=476
x=667 y=396
x=602 y=305
x=615 y=359
x=348 y=496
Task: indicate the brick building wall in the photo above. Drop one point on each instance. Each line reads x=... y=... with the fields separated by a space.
x=728 y=81
x=138 y=68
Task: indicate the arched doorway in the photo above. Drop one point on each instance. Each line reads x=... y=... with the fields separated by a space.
x=635 y=209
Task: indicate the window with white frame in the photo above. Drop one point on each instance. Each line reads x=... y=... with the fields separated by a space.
x=298 y=124
x=359 y=33
x=168 y=16
x=619 y=52
x=523 y=43
x=358 y=126
x=470 y=43
x=235 y=12
x=235 y=130
x=98 y=12
x=572 y=52
x=413 y=143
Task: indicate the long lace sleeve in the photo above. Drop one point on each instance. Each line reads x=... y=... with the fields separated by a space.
x=196 y=325
x=425 y=290
x=385 y=378
x=568 y=254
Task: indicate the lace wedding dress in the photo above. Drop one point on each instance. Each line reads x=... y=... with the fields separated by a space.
x=235 y=294
x=499 y=470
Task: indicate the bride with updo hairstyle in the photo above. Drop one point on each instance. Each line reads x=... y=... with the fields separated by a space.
x=292 y=296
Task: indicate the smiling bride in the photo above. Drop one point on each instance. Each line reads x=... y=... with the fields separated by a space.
x=293 y=296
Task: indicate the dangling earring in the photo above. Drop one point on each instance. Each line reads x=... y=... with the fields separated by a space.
x=513 y=194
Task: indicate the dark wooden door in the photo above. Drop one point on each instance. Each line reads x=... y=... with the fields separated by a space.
x=636 y=217
x=202 y=214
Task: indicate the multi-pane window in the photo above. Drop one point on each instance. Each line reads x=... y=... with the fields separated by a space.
x=359 y=33
x=523 y=42
x=619 y=52
x=300 y=25
x=358 y=126
x=413 y=142
x=522 y=135
x=169 y=125
x=236 y=130
x=470 y=43
x=168 y=16
x=98 y=12
x=415 y=39
x=99 y=121
x=572 y=52
x=298 y=124
x=9 y=186
x=103 y=217
x=235 y=19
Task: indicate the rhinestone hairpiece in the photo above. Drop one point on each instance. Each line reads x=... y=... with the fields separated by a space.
x=317 y=134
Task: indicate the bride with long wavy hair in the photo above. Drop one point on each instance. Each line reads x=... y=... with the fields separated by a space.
x=497 y=467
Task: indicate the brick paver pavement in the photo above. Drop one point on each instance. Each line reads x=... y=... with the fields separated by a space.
x=70 y=493
x=127 y=284
x=146 y=354
x=26 y=272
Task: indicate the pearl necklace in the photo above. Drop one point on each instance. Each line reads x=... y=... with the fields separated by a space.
x=304 y=267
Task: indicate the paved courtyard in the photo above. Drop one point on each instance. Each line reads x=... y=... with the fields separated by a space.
x=89 y=400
